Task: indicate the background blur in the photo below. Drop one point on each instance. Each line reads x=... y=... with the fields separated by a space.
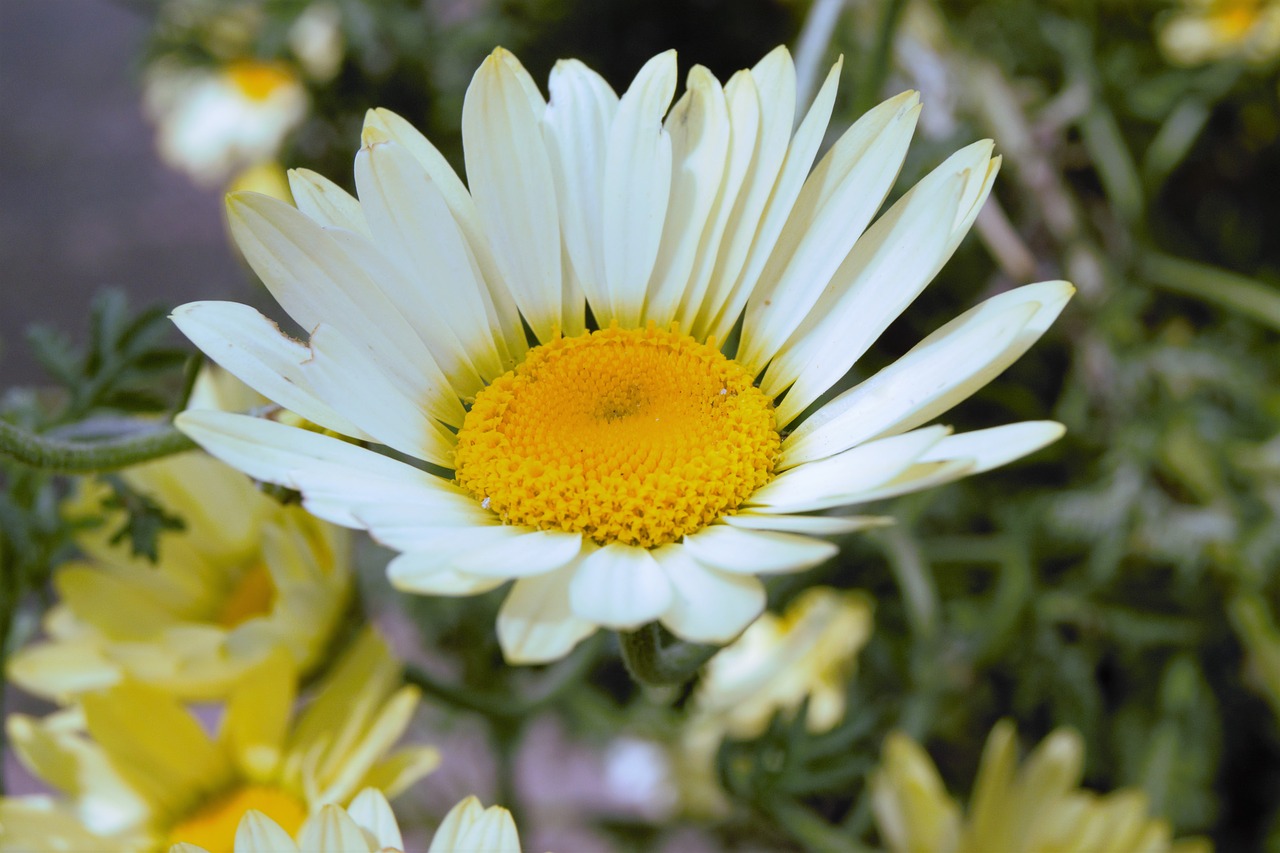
x=1124 y=582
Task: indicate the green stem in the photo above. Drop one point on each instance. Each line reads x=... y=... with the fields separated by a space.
x=877 y=67
x=77 y=457
x=912 y=575
x=811 y=831
x=652 y=663
x=1247 y=296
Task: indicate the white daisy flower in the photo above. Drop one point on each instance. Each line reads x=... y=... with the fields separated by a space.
x=632 y=473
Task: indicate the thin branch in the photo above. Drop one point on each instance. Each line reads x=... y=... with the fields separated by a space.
x=76 y=457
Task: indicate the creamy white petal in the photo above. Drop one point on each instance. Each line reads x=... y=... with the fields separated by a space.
x=412 y=223
x=469 y=826
x=756 y=551
x=811 y=525
x=892 y=263
x=925 y=475
x=536 y=623
x=575 y=128
x=773 y=83
x=332 y=275
x=619 y=587
x=707 y=606
x=742 y=104
x=991 y=448
x=532 y=553
x=326 y=202
x=258 y=833
x=872 y=407
x=835 y=205
x=791 y=177
x=510 y=177
x=332 y=829
x=823 y=483
x=497 y=293
x=343 y=373
x=699 y=128
x=253 y=349
x=421 y=573
x=637 y=186
x=372 y=813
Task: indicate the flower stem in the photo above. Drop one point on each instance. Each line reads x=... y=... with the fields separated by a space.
x=653 y=663
x=76 y=457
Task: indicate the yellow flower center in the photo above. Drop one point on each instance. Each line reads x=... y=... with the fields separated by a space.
x=1235 y=19
x=253 y=594
x=258 y=80
x=213 y=825
x=637 y=436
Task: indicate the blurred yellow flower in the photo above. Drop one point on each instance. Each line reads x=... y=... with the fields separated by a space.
x=1208 y=30
x=138 y=773
x=810 y=651
x=369 y=826
x=213 y=122
x=244 y=577
x=1038 y=808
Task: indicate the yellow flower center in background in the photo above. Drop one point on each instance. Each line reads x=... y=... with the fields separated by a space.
x=258 y=80
x=637 y=436
x=213 y=826
x=1236 y=17
x=252 y=595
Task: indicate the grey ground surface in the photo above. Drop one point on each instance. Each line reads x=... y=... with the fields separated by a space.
x=84 y=200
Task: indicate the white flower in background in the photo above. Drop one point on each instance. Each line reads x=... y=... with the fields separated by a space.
x=632 y=473
x=316 y=40
x=1209 y=30
x=213 y=122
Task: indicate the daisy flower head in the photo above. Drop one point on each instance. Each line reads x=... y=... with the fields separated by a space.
x=1202 y=31
x=244 y=576
x=1038 y=807
x=622 y=470
x=135 y=770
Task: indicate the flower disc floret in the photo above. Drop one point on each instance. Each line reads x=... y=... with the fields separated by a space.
x=635 y=436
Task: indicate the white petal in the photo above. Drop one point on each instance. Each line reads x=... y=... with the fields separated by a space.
x=917 y=478
x=707 y=606
x=637 y=185
x=795 y=168
x=743 y=114
x=620 y=587
x=258 y=833
x=326 y=202
x=421 y=573
x=344 y=374
x=755 y=551
x=331 y=829
x=827 y=482
x=511 y=182
x=771 y=85
x=303 y=460
x=575 y=128
x=810 y=525
x=532 y=553
x=699 y=129
x=536 y=623
x=334 y=276
x=372 y=813
x=932 y=370
x=254 y=350
x=887 y=269
x=835 y=205
x=464 y=213
x=991 y=448
x=469 y=826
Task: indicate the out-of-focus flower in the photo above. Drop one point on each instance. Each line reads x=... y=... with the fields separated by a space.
x=243 y=577
x=633 y=473
x=810 y=651
x=1208 y=30
x=213 y=122
x=1036 y=808
x=267 y=178
x=138 y=773
x=316 y=40
x=369 y=826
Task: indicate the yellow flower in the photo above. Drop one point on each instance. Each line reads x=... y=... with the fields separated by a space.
x=214 y=122
x=245 y=576
x=633 y=472
x=810 y=651
x=143 y=774
x=1208 y=30
x=1038 y=808
x=369 y=826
